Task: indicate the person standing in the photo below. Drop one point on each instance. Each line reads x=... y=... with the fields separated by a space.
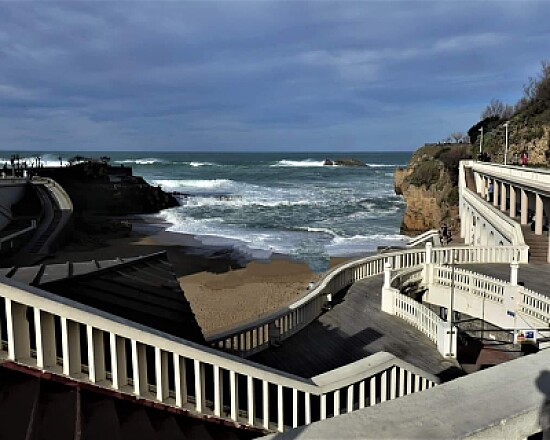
x=524 y=158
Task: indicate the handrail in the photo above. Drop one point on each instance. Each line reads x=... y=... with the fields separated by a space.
x=429 y=236
x=533 y=178
x=368 y=381
x=252 y=337
x=507 y=227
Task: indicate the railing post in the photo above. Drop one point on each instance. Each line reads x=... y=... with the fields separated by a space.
x=233 y=393
x=70 y=342
x=180 y=380
x=19 y=343
x=139 y=368
x=280 y=409
x=388 y=300
x=161 y=374
x=199 y=378
x=307 y=399
x=44 y=329
x=514 y=266
x=118 y=361
x=444 y=344
x=265 y=409
x=217 y=392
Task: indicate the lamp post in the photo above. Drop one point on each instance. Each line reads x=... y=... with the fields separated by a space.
x=481 y=140
x=506 y=144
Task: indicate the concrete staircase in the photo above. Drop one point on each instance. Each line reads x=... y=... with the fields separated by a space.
x=38 y=408
x=538 y=245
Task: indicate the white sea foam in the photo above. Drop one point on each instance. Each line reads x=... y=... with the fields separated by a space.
x=177 y=185
x=383 y=165
x=299 y=163
x=142 y=161
x=200 y=164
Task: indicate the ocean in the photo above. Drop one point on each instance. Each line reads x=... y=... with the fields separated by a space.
x=265 y=203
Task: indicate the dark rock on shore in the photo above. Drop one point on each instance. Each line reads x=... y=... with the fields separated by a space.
x=344 y=162
x=96 y=187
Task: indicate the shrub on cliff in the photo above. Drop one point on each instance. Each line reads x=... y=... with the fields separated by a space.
x=425 y=173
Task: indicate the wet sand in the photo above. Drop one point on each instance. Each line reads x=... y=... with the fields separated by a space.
x=223 y=288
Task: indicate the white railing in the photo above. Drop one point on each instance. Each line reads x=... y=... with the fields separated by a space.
x=470 y=282
x=534 y=304
x=419 y=316
x=485 y=254
x=250 y=338
x=533 y=178
x=253 y=337
x=509 y=228
x=414 y=312
x=511 y=298
x=431 y=236
x=61 y=336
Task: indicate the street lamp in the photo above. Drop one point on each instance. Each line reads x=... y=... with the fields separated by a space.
x=481 y=140
x=506 y=145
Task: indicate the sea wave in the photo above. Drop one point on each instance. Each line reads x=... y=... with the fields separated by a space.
x=143 y=161
x=176 y=185
x=299 y=163
x=384 y=165
x=200 y=164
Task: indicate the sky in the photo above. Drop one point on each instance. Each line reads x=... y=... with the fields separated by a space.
x=259 y=75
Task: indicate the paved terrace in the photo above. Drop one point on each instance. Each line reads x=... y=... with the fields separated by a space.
x=353 y=329
x=534 y=276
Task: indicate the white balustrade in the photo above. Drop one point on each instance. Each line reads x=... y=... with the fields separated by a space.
x=311 y=305
x=117 y=354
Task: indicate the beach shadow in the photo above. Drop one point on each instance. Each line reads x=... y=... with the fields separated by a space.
x=543 y=384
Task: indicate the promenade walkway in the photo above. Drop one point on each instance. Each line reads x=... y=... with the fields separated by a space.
x=354 y=328
x=534 y=276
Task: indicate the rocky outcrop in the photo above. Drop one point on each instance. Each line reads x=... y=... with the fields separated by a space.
x=344 y=162
x=429 y=186
x=95 y=187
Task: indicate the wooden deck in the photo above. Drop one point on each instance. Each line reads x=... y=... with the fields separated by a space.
x=353 y=329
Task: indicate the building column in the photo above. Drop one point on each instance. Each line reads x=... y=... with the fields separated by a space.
x=512 y=201
x=524 y=206
x=503 y=197
x=538 y=214
x=495 y=192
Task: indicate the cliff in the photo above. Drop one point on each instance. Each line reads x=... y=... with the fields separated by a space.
x=429 y=186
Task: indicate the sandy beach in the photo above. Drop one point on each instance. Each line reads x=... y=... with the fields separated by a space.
x=222 y=288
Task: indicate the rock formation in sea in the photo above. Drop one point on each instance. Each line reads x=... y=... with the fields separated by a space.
x=429 y=186
x=344 y=162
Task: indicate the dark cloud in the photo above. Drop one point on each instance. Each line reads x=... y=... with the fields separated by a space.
x=259 y=75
